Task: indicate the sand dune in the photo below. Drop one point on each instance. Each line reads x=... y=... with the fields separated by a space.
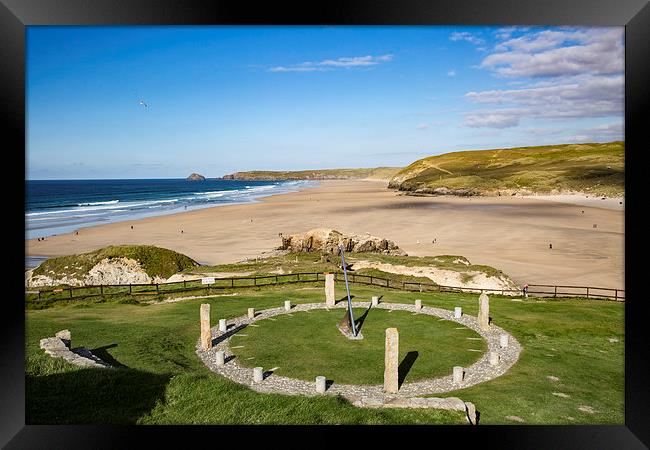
x=510 y=233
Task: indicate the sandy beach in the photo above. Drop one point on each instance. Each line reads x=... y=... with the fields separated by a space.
x=510 y=233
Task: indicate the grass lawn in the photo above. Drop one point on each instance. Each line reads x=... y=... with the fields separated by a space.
x=159 y=379
x=307 y=344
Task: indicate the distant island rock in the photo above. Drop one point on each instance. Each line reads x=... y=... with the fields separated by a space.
x=195 y=177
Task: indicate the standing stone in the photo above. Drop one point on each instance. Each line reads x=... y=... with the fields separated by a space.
x=418 y=304
x=458 y=312
x=206 y=335
x=320 y=384
x=391 y=363
x=494 y=358
x=458 y=374
x=503 y=340
x=329 y=289
x=258 y=375
x=220 y=358
x=484 y=311
x=375 y=301
x=251 y=313
x=222 y=325
x=287 y=305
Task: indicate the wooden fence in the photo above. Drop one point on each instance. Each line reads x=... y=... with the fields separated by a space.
x=540 y=290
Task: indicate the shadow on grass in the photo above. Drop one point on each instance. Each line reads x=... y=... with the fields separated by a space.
x=405 y=366
x=358 y=323
x=102 y=353
x=344 y=299
x=93 y=396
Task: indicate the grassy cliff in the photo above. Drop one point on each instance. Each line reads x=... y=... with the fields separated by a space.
x=155 y=261
x=597 y=169
x=381 y=173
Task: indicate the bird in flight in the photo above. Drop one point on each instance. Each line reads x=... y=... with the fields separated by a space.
x=144 y=104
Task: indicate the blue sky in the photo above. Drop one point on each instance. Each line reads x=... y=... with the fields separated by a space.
x=223 y=99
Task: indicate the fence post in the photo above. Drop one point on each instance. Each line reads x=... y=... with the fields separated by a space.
x=129 y=288
x=298 y=274
x=555 y=292
x=39 y=294
x=101 y=289
x=615 y=294
x=157 y=288
x=184 y=284
x=71 y=292
x=276 y=279
x=370 y=279
x=232 y=282
x=254 y=281
x=587 y=292
x=403 y=286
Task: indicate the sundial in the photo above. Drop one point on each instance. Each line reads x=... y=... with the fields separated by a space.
x=347 y=325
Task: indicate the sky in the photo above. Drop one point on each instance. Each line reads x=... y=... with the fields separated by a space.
x=166 y=101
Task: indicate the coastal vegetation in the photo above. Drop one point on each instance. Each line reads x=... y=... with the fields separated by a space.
x=572 y=347
x=379 y=173
x=154 y=262
x=594 y=169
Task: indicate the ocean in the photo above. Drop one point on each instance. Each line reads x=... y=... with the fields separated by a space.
x=63 y=206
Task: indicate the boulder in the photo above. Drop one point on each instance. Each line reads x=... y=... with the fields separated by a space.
x=195 y=177
x=327 y=240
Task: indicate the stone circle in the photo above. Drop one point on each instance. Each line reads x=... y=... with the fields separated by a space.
x=478 y=372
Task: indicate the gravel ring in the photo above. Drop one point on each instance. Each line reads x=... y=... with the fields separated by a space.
x=478 y=372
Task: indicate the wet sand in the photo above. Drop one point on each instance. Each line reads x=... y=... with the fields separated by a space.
x=510 y=233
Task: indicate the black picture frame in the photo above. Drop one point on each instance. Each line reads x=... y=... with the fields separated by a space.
x=15 y=15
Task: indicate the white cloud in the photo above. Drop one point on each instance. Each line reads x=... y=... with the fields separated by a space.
x=423 y=126
x=552 y=53
x=357 y=61
x=579 y=73
x=451 y=73
x=465 y=36
x=602 y=133
x=493 y=119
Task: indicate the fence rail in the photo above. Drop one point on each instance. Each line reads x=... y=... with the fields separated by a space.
x=543 y=290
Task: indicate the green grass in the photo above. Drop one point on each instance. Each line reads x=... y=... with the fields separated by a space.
x=598 y=169
x=160 y=379
x=155 y=261
x=308 y=344
x=381 y=173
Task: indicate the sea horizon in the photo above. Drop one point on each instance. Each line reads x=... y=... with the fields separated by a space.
x=62 y=206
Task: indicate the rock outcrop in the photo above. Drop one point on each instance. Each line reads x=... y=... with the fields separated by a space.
x=327 y=240
x=195 y=177
x=106 y=272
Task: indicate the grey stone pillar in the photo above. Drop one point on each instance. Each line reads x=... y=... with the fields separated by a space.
x=375 y=301
x=287 y=305
x=418 y=304
x=484 y=311
x=220 y=358
x=258 y=375
x=206 y=335
x=458 y=374
x=222 y=325
x=458 y=312
x=503 y=340
x=391 y=361
x=494 y=358
x=329 y=289
x=251 y=313
x=320 y=384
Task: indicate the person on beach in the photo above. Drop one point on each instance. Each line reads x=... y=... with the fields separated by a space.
x=550 y=246
x=525 y=290
x=131 y=226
